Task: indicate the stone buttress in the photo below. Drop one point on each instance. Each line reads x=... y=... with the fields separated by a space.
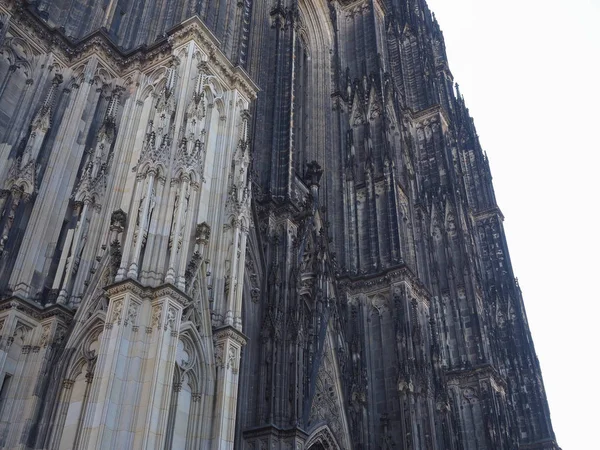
x=126 y=208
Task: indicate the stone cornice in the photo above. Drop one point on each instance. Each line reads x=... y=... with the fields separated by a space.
x=37 y=311
x=488 y=213
x=484 y=371
x=373 y=282
x=127 y=285
x=269 y=430
x=428 y=113
x=121 y=63
x=133 y=286
x=168 y=290
x=228 y=331
x=194 y=29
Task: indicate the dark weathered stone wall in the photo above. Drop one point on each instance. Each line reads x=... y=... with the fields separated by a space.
x=131 y=23
x=407 y=188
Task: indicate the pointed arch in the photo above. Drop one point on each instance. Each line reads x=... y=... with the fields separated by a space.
x=200 y=344
x=322 y=438
x=313 y=82
x=20 y=48
x=192 y=388
x=314 y=21
x=75 y=382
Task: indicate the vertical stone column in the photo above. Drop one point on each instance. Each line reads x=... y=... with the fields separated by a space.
x=31 y=373
x=108 y=386
x=239 y=287
x=228 y=345
x=46 y=218
x=4 y=194
x=131 y=390
x=144 y=220
x=4 y=84
x=73 y=252
x=4 y=25
x=178 y=233
x=10 y=216
x=27 y=344
x=157 y=381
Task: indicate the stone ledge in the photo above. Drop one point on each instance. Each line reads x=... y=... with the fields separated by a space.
x=273 y=430
x=149 y=292
x=229 y=331
x=37 y=311
x=123 y=62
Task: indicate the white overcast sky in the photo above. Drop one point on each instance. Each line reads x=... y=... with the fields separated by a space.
x=529 y=71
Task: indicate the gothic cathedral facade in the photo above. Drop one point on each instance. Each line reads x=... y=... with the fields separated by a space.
x=251 y=224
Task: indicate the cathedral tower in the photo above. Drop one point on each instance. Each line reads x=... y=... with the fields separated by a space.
x=251 y=224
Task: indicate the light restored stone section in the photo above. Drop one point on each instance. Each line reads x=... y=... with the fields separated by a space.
x=29 y=340
x=228 y=346
x=146 y=158
x=130 y=393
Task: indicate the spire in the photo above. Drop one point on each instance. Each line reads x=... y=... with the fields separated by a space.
x=113 y=104
x=106 y=134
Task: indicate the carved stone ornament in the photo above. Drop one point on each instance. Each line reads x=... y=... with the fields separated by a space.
x=171 y=318
x=156 y=315
x=132 y=314
x=59 y=337
x=470 y=395
x=420 y=337
x=202 y=233
x=232 y=359
x=117 y=312
x=118 y=219
x=45 y=339
x=219 y=356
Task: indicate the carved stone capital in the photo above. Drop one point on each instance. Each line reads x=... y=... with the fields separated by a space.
x=228 y=332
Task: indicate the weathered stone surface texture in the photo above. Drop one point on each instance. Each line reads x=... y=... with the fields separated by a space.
x=250 y=224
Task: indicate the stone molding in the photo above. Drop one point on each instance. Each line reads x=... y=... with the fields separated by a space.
x=488 y=214
x=147 y=292
x=229 y=332
x=325 y=437
x=36 y=311
x=372 y=283
x=429 y=113
x=273 y=430
x=476 y=374
x=120 y=64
